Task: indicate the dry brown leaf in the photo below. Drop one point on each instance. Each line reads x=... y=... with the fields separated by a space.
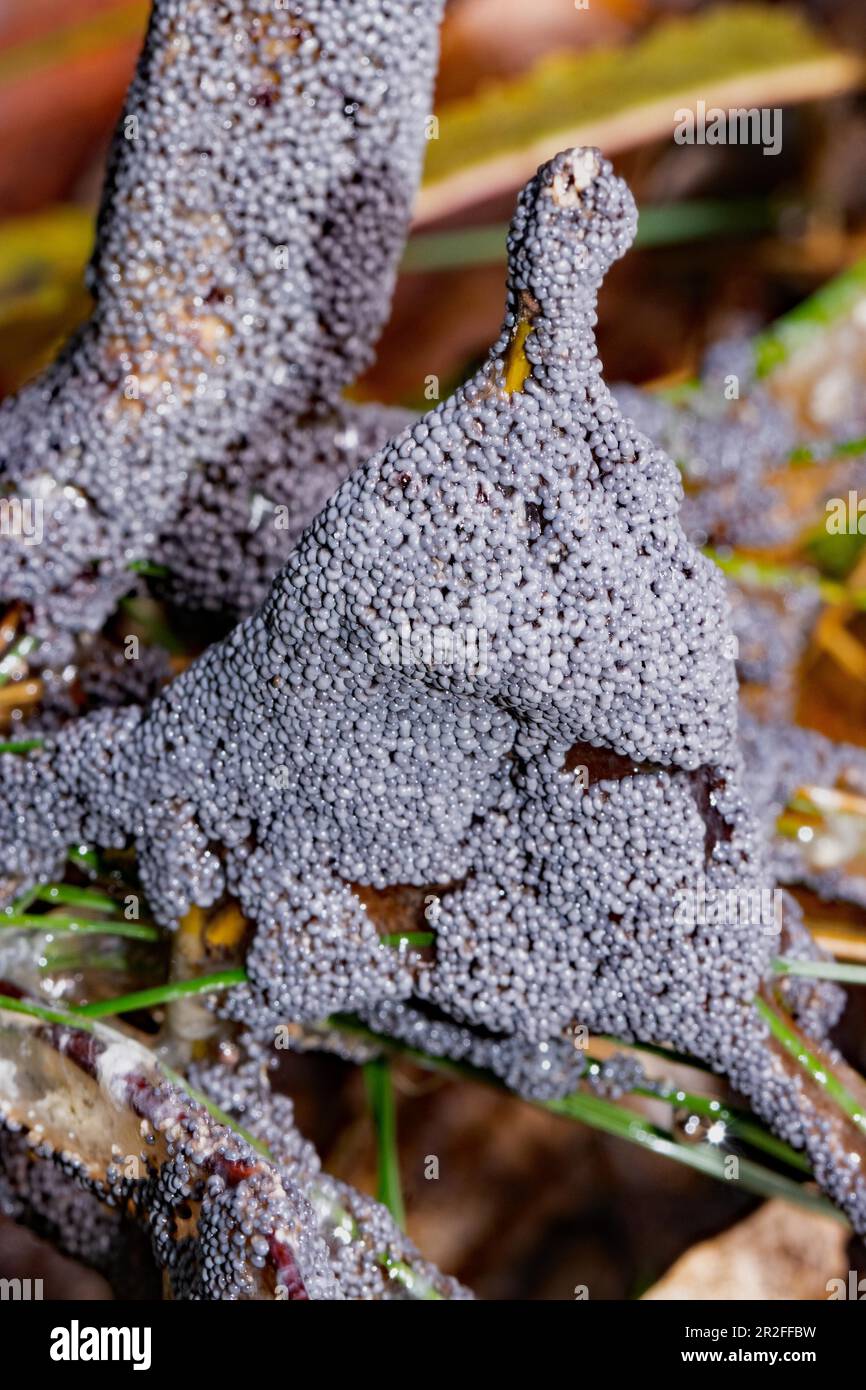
x=780 y=1252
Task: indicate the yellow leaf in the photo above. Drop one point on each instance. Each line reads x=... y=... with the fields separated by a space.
x=41 y=261
x=65 y=42
x=623 y=96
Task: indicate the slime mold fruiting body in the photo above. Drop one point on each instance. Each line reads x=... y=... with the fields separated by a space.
x=247 y=514
x=491 y=691
x=755 y=475
x=256 y=206
x=784 y=760
x=216 y=1213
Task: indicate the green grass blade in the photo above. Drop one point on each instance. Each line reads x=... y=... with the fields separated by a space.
x=77 y=926
x=778 y=343
x=738 y=1124
x=22 y=745
x=818 y=1070
x=380 y=1095
x=621 y=1123
x=161 y=994
x=822 y=970
x=18 y=652
x=664 y=224
x=408 y=938
x=75 y=897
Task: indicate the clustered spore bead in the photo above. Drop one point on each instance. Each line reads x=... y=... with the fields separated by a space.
x=726 y=449
x=248 y=513
x=256 y=208
x=782 y=759
x=51 y=1197
x=360 y=1237
x=736 y=441
x=772 y=630
x=323 y=756
x=197 y=1206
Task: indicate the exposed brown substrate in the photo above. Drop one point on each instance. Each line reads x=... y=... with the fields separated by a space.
x=403 y=907
x=603 y=764
x=705 y=781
